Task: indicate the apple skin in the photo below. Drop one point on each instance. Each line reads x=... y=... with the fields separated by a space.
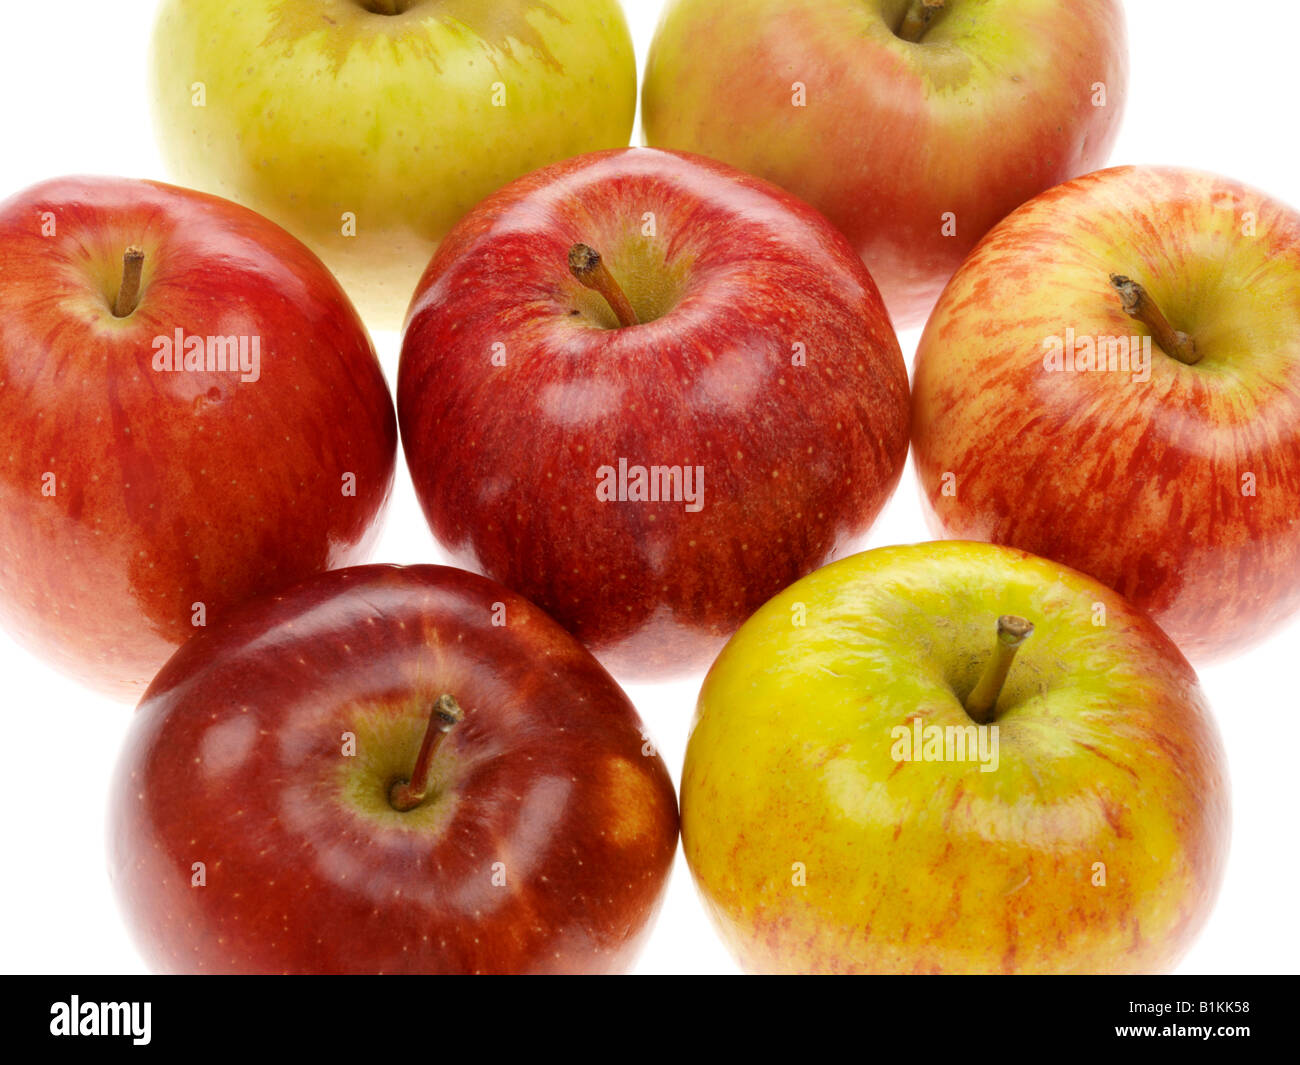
x=1138 y=484
x=798 y=459
x=317 y=108
x=1108 y=753
x=235 y=758
x=171 y=489
x=992 y=106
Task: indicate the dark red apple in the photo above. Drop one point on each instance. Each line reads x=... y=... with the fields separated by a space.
x=191 y=414
x=648 y=392
x=389 y=769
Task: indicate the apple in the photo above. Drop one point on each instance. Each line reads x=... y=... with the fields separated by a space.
x=954 y=758
x=648 y=391
x=914 y=125
x=389 y=769
x=1113 y=381
x=191 y=414
x=369 y=127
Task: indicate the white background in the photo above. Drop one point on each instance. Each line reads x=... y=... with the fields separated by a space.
x=1213 y=86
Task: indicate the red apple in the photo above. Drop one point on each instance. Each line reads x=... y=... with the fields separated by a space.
x=915 y=125
x=648 y=391
x=1112 y=380
x=182 y=426
x=389 y=769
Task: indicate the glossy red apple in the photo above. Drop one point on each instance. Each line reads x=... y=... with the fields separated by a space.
x=915 y=125
x=191 y=414
x=648 y=391
x=1112 y=381
x=389 y=769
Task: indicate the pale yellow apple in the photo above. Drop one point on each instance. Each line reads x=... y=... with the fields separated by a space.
x=368 y=135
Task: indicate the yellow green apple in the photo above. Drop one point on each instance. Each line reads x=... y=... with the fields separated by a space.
x=954 y=758
x=369 y=127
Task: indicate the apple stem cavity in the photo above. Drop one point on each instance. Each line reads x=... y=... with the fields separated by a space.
x=128 y=294
x=983 y=701
x=387 y=7
x=916 y=21
x=408 y=794
x=587 y=266
x=1139 y=305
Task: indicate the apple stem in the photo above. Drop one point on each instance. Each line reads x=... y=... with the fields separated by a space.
x=587 y=266
x=1139 y=305
x=920 y=13
x=983 y=701
x=128 y=294
x=408 y=794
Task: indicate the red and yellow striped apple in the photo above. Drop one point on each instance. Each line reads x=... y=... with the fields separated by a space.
x=1112 y=380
